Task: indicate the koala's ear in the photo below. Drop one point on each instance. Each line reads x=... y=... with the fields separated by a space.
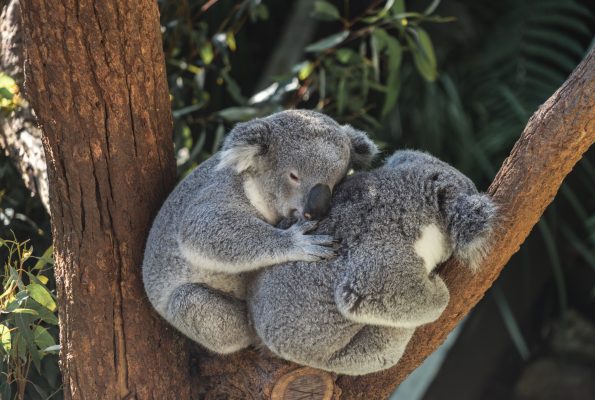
x=244 y=145
x=363 y=149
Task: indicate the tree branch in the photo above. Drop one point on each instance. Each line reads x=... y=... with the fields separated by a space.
x=553 y=141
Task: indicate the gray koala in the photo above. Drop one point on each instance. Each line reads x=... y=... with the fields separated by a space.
x=355 y=314
x=218 y=225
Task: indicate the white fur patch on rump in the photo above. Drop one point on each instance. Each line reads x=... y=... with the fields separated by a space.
x=431 y=246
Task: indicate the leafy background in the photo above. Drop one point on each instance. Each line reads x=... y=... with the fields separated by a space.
x=458 y=78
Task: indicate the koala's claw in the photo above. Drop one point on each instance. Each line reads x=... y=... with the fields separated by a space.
x=317 y=253
x=305 y=226
x=316 y=247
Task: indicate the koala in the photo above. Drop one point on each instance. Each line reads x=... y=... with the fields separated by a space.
x=355 y=314
x=218 y=225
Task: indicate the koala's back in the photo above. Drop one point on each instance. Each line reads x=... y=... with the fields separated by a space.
x=373 y=216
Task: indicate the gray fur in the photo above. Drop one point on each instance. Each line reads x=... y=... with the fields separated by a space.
x=217 y=226
x=355 y=314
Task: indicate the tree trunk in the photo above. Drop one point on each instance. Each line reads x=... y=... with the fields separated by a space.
x=95 y=76
x=552 y=143
x=19 y=136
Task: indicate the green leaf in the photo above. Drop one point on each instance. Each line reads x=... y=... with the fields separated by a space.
x=328 y=42
x=388 y=5
x=325 y=11
x=5 y=93
x=393 y=83
x=43 y=313
x=20 y=344
x=24 y=311
x=42 y=338
x=233 y=88
x=23 y=324
x=206 y=53
x=432 y=7
x=345 y=55
x=40 y=294
x=6 y=81
x=398 y=7
x=27 y=251
x=341 y=95
x=423 y=53
x=306 y=70
x=218 y=139
x=45 y=259
x=5 y=338
x=235 y=114
x=52 y=349
x=230 y=39
x=186 y=110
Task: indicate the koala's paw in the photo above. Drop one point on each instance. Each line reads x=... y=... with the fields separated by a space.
x=312 y=247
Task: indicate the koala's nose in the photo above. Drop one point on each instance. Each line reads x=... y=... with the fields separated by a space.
x=318 y=202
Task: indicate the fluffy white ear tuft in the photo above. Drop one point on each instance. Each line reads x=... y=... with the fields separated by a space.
x=239 y=158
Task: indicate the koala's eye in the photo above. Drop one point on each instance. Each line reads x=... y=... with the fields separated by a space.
x=294 y=178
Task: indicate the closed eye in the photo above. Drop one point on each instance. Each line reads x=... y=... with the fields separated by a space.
x=294 y=177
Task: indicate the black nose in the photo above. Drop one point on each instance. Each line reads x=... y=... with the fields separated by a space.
x=318 y=202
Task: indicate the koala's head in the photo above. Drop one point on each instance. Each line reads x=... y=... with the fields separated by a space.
x=293 y=159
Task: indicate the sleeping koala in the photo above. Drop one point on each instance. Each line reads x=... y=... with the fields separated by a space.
x=355 y=314
x=218 y=224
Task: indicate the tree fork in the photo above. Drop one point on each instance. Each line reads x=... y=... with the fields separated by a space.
x=95 y=76
x=96 y=79
x=553 y=141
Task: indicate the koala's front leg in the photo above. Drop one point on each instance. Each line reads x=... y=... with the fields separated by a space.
x=230 y=241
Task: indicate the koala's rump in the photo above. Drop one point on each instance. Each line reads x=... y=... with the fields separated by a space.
x=294 y=313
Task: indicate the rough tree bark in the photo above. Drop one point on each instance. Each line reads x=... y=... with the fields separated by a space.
x=19 y=136
x=552 y=143
x=95 y=75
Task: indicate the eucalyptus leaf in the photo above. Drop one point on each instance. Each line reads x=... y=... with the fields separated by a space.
x=186 y=110
x=43 y=313
x=45 y=259
x=393 y=83
x=24 y=311
x=306 y=70
x=235 y=114
x=5 y=93
x=341 y=95
x=206 y=53
x=325 y=11
x=345 y=55
x=328 y=42
x=41 y=294
x=6 y=81
x=423 y=53
x=233 y=88
x=43 y=339
x=52 y=349
x=5 y=338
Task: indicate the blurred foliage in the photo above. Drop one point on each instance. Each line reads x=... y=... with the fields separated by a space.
x=352 y=73
x=28 y=325
x=9 y=94
x=459 y=79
